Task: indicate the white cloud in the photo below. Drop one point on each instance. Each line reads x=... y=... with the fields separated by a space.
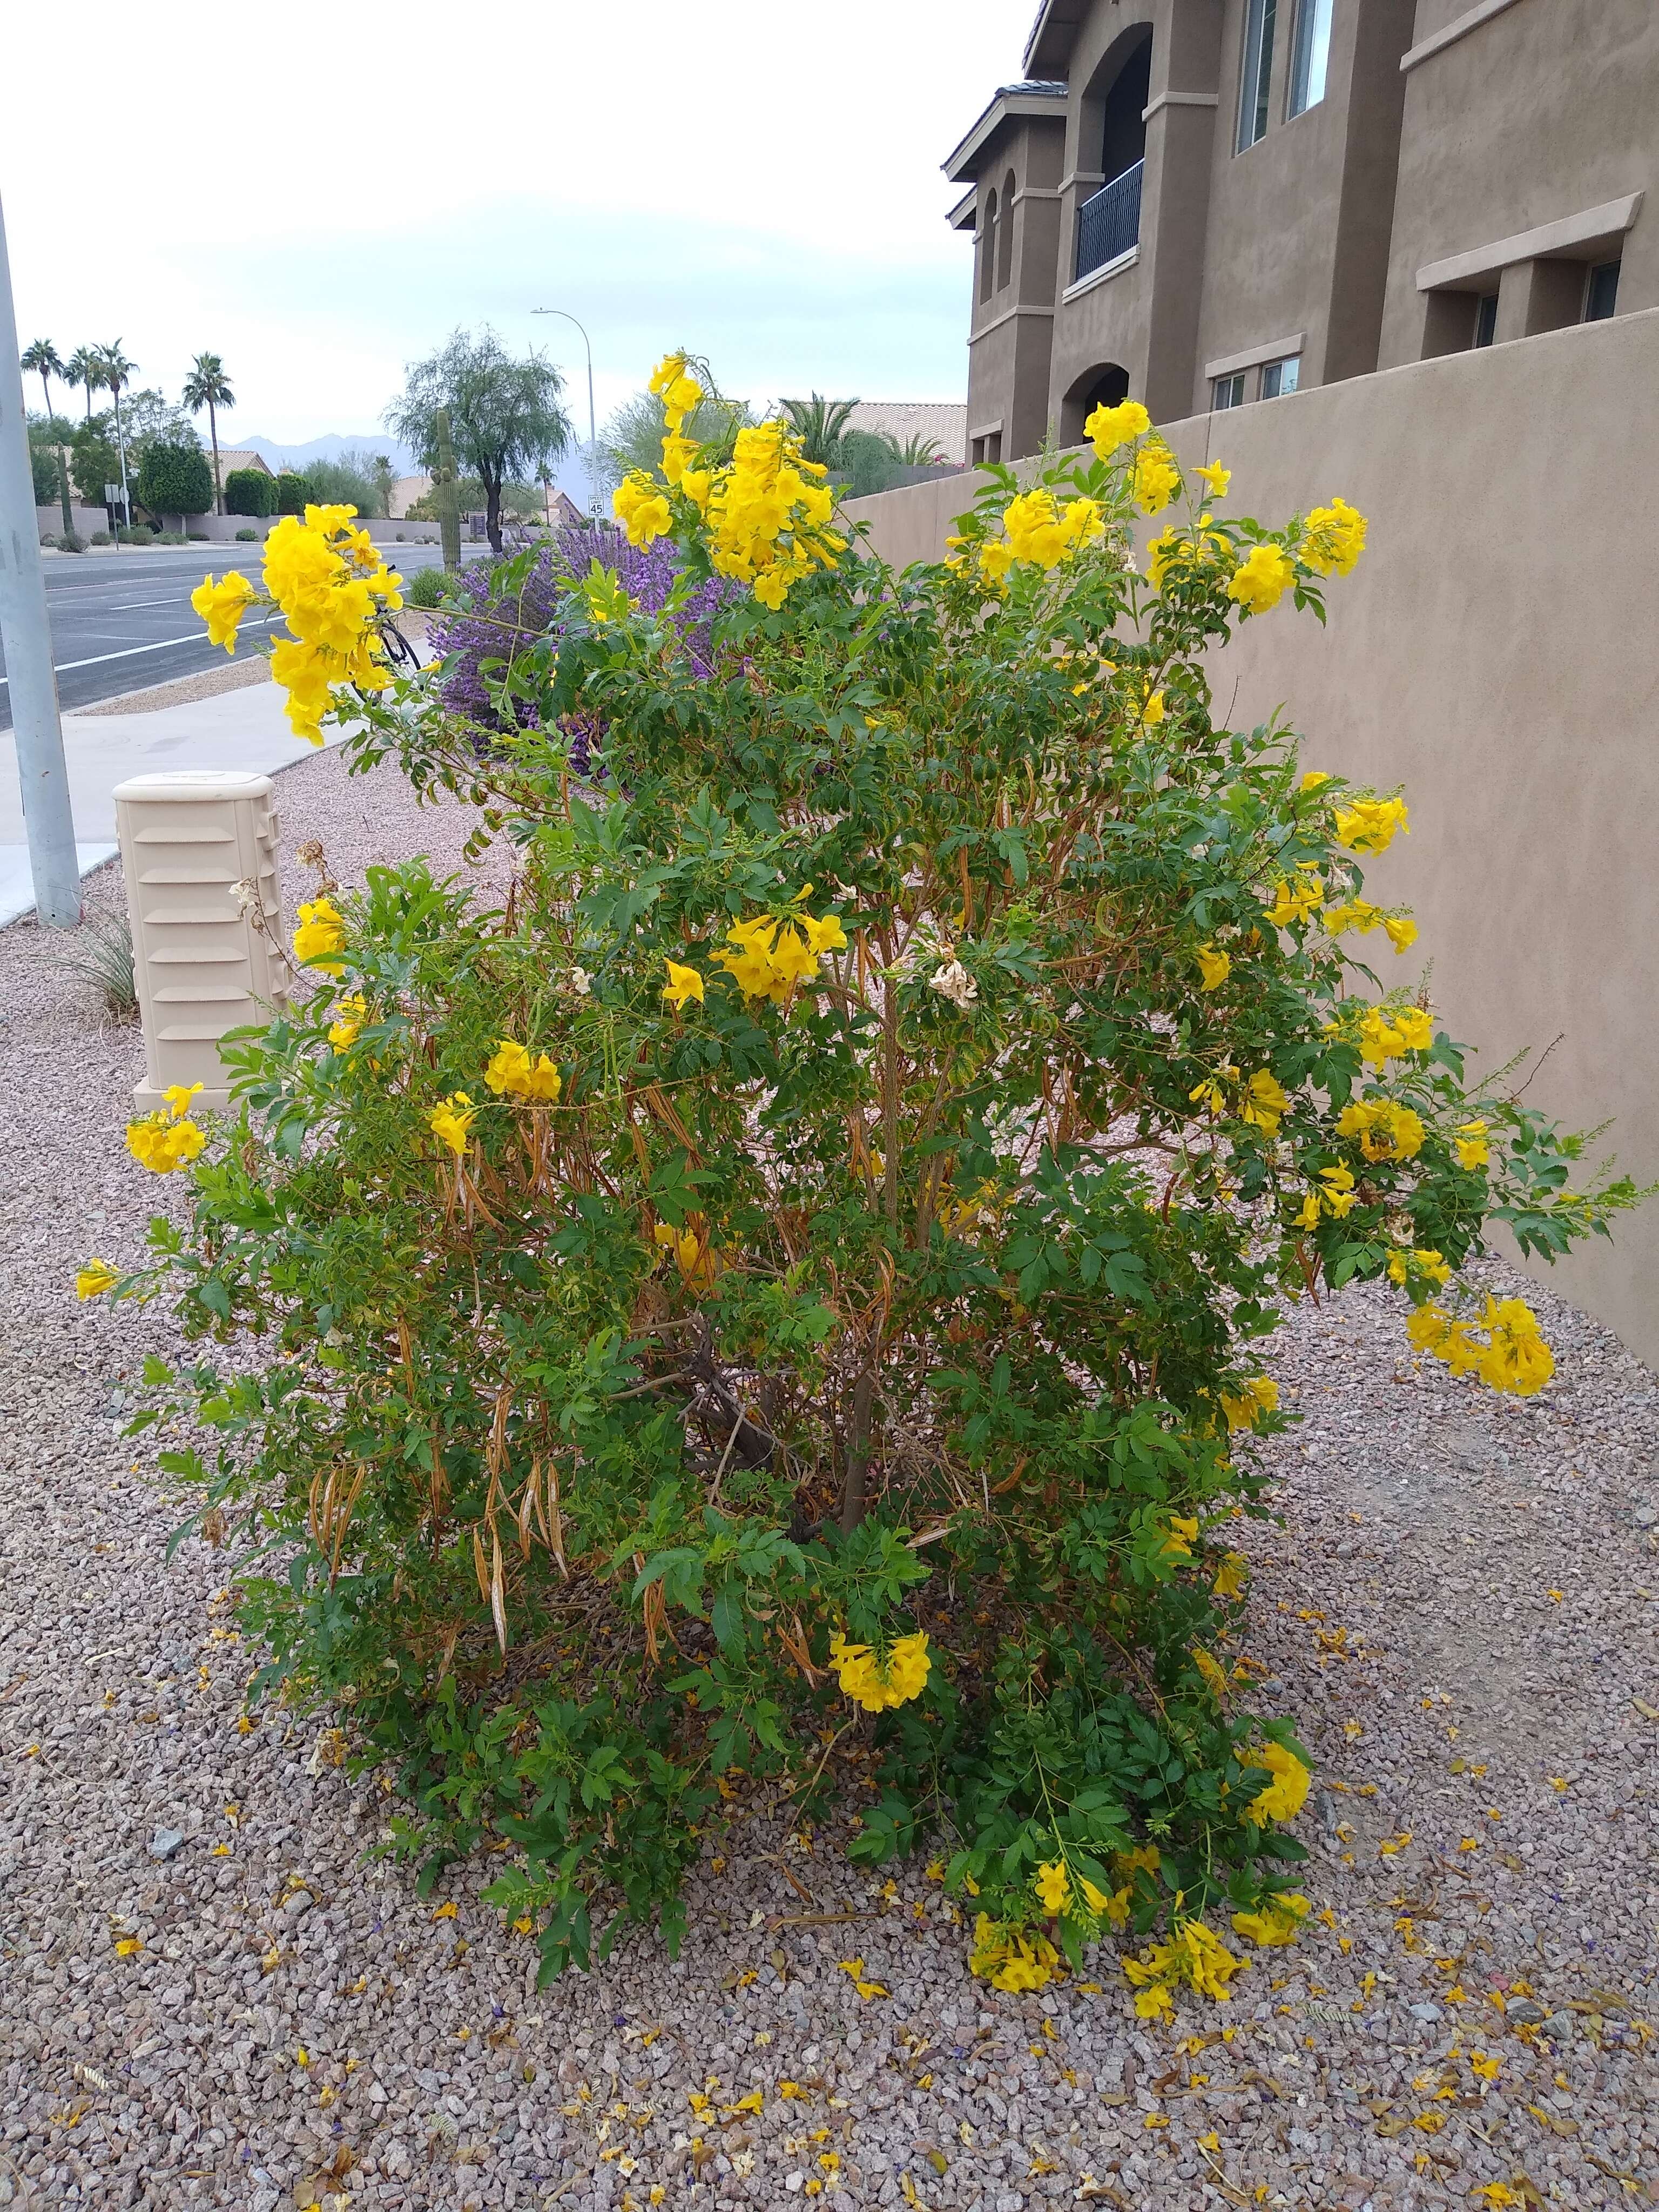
x=322 y=195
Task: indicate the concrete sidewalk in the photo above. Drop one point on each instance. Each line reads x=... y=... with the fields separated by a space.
x=245 y=729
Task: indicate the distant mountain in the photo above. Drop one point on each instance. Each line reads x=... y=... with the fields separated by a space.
x=278 y=455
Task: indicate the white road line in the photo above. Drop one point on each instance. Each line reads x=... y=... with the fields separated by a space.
x=196 y=637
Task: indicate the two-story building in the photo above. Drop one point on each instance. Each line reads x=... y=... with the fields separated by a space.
x=1201 y=203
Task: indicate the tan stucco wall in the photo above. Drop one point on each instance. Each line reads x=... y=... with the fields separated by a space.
x=1494 y=652
x=1542 y=111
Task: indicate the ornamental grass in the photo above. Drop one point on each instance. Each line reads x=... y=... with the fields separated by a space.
x=775 y=1303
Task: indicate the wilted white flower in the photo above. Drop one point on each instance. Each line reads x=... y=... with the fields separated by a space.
x=952 y=982
x=581 y=983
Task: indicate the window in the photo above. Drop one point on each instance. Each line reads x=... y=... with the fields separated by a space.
x=1227 y=392
x=1602 y=292
x=1485 y=318
x=1310 y=55
x=987 y=448
x=988 y=249
x=1005 y=242
x=1280 y=377
x=1258 y=71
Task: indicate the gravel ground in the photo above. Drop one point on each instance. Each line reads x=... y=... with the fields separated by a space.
x=1454 y=1606
x=227 y=676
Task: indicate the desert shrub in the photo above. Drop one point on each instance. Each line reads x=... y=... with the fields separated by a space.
x=101 y=953
x=139 y=533
x=172 y=538
x=70 y=541
x=100 y=537
x=48 y=540
x=250 y=491
x=427 y=587
x=774 y=1302
x=248 y=538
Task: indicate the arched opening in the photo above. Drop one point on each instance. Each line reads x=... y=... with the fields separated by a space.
x=1005 y=242
x=1123 y=131
x=988 y=249
x=1114 y=108
x=1104 y=385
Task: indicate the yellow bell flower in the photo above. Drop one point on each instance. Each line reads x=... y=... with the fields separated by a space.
x=684 y=985
x=451 y=1119
x=221 y=606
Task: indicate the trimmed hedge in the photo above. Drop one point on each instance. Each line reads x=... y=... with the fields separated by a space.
x=250 y=491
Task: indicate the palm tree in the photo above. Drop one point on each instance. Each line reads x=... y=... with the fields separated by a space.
x=818 y=422
x=42 y=357
x=82 y=369
x=114 y=370
x=385 y=477
x=207 y=386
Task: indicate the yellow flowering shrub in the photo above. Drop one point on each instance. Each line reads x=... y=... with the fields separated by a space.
x=324 y=575
x=782 y=1300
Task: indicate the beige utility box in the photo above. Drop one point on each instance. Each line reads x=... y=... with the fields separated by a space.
x=188 y=842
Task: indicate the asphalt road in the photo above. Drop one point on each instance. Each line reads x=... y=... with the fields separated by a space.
x=121 y=622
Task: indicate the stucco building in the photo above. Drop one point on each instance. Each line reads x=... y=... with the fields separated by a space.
x=1207 y=202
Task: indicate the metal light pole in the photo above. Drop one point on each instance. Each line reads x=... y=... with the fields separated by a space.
x=38 y=734
x=592 y=433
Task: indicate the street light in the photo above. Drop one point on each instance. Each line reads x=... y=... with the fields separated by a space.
x=592 y=434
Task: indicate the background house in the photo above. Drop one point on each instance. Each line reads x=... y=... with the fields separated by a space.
x=1206 y=203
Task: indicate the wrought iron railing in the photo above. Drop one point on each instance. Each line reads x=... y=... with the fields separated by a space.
x=1109 y=222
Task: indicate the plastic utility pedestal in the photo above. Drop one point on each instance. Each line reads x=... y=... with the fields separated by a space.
x=200 y=850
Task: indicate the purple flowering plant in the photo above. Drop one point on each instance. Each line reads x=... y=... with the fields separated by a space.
x=495 y=650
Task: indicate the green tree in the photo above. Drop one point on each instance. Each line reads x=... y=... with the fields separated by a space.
x=207 y=386
x=292 y=492
x=42 y=358
x=175 y=479
x=348 y=480
x=631 y=439
x=94 y=461
x=505 y=415
x=48 y=478
x=384 y=472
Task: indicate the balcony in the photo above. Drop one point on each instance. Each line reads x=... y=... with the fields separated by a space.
x=1109 y=222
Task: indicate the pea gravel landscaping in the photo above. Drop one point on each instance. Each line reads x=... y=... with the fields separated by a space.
x=211 y=1995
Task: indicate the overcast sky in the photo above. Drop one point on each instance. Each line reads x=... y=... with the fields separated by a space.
x=758 y=180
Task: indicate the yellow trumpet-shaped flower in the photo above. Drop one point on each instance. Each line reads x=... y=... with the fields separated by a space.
x=1011 y=1958
x=321 y=936
x=1334 y=538
x=1286 y=1794
x=641 y=507
x=1385 y=1129
x=450 y=1121
x=1157 y=478
x=350 y=1013
x=1262 y=579
x=163 y=1142
x=1109 y=428
x=221 y=606
x=1369 y=824
x=513 y=1072
x=684 y=985
x=1278 y=1920
x=874 y=1682
x=1216 y=476
x=1260 y=1395
x=1214 y=966
x=1053 y=1886
x=96 y=1276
